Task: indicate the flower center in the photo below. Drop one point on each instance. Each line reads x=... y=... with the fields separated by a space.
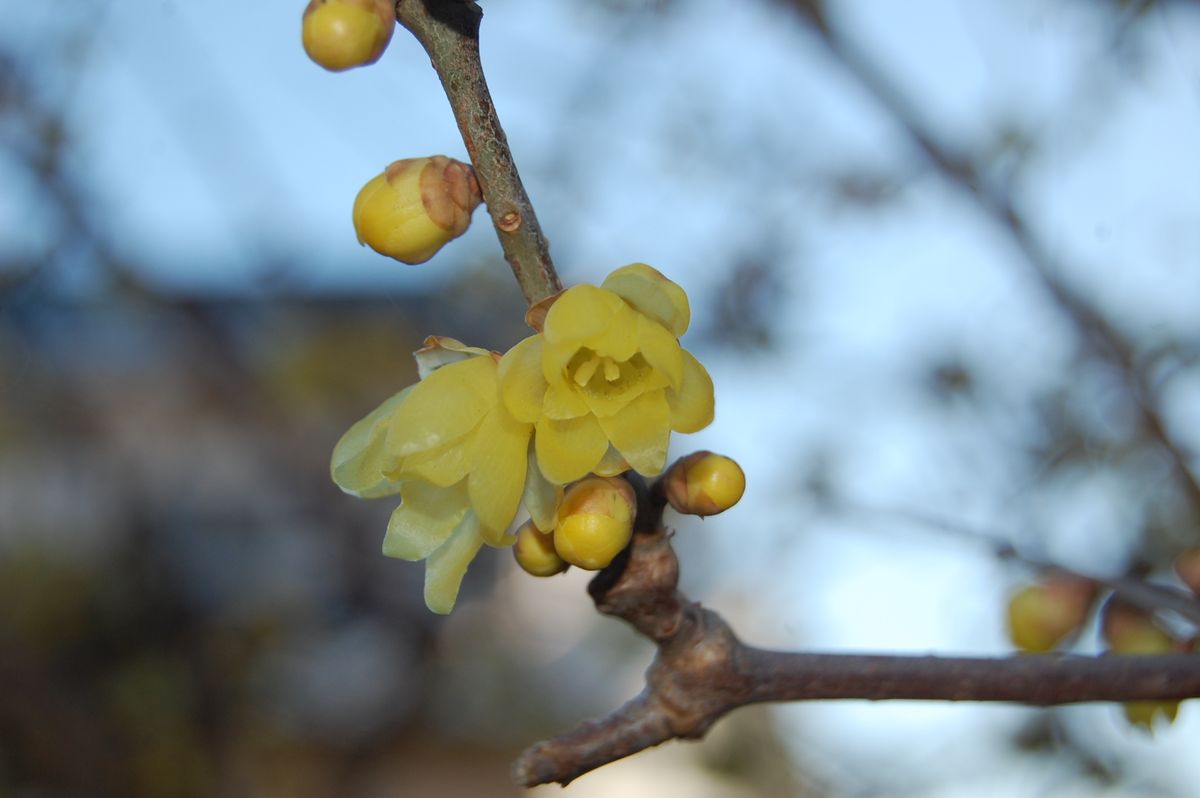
x=598 y=374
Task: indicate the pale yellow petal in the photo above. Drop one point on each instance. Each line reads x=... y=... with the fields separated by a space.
x=443 y=407
x=521 y=382
x=569 y=449
x=641 y=432
x=611 y=464
x=445 y=568
x=442 y=350
x=361 y=456
x=563 y=400
x=443 y=466
x=692 y=405
x=541 y=496
x=499 y=456
x=582 y=313
x=661 y=350
x=652 y=294
x=425 y=518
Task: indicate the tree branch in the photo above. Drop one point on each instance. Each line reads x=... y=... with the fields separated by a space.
x=702 y=671
x=449 y=32
x=1097 y=334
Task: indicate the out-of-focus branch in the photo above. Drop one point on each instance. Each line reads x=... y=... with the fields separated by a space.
x=702 y=671
x=449 y=32
x=1097 y=334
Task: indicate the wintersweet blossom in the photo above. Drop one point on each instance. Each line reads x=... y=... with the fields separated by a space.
x=605 y=381
x=459 y=461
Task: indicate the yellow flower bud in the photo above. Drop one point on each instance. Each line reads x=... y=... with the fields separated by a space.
x=535 y=552
x=704 y=483
x=595 y=522
x=1041 y=615
x=341 y=34
x=1131 y=630
x=415 y=207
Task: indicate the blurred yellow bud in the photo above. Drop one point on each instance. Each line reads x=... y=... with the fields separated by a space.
x=704 y=483
x=341 y=34
x=415 y=207
x=595 y=522
x=535 y=552
x=1132 y=630
x=1041 y=615
x=1187 y=565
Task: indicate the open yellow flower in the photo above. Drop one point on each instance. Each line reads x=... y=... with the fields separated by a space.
x=460 y=462
x=606 y=380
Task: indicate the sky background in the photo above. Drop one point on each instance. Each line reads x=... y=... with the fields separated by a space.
x=722 y=144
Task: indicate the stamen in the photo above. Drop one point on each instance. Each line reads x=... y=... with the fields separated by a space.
x=586 y=369
x=612 y=372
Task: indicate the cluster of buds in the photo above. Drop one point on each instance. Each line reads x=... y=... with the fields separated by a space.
x=594 y=522
x=342 y=34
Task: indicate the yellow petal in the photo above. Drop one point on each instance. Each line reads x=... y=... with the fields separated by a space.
x=563 y=400
x=641 y=432
x=521 y=382
x=661 y=350
x=361 y=457
x=424 y=520
x=445 y=568
x=605 y=398
x=582 y=313
x=499 y=456
x=651 y=294
x=443 y=466
x=611 y=464
x=442 y=350
x=443 y=407
x=541 y=496
x=692 y=405
x=569 y=449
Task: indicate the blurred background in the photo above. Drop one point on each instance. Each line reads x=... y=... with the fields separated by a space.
x=944 y=264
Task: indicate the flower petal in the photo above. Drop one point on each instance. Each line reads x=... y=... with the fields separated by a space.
x=563 y=401
x=661 y=350
x=581 y=314
x=445 y=568
x=443 y=466
x=541 y=496
x=652 y=294
x=692 y=405
x=641 y=432
x=612 y=464
x=424 y=520
x=499 y=456
x=521 y=382
x=569 y=449
x=441 y=350
x=361 y=456
x=443 y=407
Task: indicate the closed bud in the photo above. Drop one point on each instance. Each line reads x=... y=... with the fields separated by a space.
x=1040 y=616
x=341 y=34
x=535 y=552
x=704 y=483
x=1132 y=630
x=1187 y=565
x=595 y=521
x=415 y=207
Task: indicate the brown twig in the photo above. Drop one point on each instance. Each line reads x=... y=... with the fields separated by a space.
x=702 y=671
x=449 y=32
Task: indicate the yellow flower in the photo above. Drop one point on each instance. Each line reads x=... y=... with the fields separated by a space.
x=606 y=380
x=460 y=462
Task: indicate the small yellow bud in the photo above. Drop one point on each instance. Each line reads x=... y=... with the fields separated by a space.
x=1187 y=565
x=1131 y=630
x=704 y=483
x=341 y=34
x=1041 y=615
x=595 y=522
x=415 y=207
x=535 y=552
